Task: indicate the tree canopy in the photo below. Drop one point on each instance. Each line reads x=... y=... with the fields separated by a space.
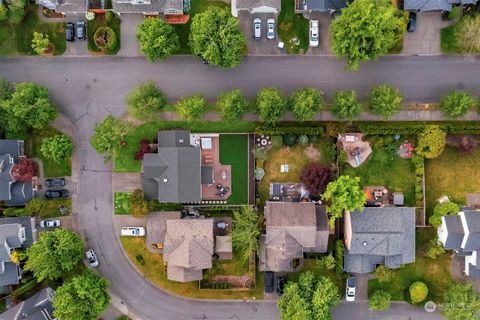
x=431 y=142
x=457 y=103
x=158 y=40
x=271 y=105
x=384 y=101
x=193 y=107
x=365 y=30
x=441 y=210
x=463 y=302
x=84 y=297
x=37 y=206
x=232 y=105
x=380 y=300
x=246 y=230
x=145 y=101
x=57 y=148
x=346 y=105
x=40 y=43
x=215 y=36
x=54 y=254
x=306 y=103
x=108 y=136
x=344 y=193
x=315 y=178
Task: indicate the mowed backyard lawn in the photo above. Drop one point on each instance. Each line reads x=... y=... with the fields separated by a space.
x=453 y=174
x=381 y=169
x=17 y=39
x=234 y=151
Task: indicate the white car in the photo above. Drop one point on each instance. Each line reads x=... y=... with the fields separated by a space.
x=350 y=291
x=92 y=258
x=313 y=37
x=49 y=223
x=133 y=232
x=270 y=29
x=257 y=28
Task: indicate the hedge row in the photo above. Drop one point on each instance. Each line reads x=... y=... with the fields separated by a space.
x=386 y=128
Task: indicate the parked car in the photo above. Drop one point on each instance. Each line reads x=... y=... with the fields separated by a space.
x=280 y=284
x=350 y=291
x=313 y=38
x=92 y=258
x=49 y=223
x=412 y=22
x=55 y=182
x=133 y=231
x=268 y=279
x=271 y=29
x=257 y=28
x=81 y=30
x=70 y=31
x=56 y=194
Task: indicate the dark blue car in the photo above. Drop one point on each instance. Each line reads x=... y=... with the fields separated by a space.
x=412 y=22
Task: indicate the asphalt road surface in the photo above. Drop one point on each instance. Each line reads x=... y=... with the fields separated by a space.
x=88 y=89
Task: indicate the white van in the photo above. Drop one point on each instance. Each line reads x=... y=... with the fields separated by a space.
x=133 y=231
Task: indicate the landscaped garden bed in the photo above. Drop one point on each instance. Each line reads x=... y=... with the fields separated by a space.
x=112 y=32
x=52 y=208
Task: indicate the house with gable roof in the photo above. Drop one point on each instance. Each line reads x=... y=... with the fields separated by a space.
x=37 y=307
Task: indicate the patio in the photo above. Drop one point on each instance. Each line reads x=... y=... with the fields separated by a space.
x=357 y=150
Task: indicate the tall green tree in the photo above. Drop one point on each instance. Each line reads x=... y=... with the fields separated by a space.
x=54 y=254
x=40 y=43
x=365 y=30
x=343 y=194
x=108 y=136
x=58 y=148
x=457 y=103
x=145 y=101
x=193 y=107
x=246 y=231
x=232 y=105
x=380 y=300
x=384 y=101
x=215 y=36
x=84 y=297
x=431 y=142
x=462 y=302
x=306 y=103
x=29 y=102
x=346 y=105
x=271 y=105
x=158 y=40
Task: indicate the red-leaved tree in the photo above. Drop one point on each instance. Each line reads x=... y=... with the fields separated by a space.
x=315 y=178
x=144 y=148
x=467 y=145
x=24 y=170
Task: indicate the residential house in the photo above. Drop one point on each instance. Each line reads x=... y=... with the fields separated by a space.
x=292 y=228
x=379 y=235
x=461 y=233
x=151 y=7
x=255 y=6
x=434 y=5
x=303 y=6
x=13 y=193
x=15 y=233
x=65 y=6
x=188 y=248
x=37 y=307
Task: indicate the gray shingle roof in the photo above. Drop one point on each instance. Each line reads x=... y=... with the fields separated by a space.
x=325 y=5
x=381 y=234
x=72 y=6
x=13 y=193
x=472 y=219
x=252 y=4
x=12 y=147
x=434 y=5
x=156 y=6
x=455 y=232
x=37 y=307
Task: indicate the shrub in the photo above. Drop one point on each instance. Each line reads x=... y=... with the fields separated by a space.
x=271 y=105
x=145 y=101
x=108 y=16
x=277 y=141
x=90 y=15
x=418 y=292
x=15 y=212
x=312 y=131
x=384 y=101
x=306 y=103
x=3 y=13
x=24 y=289
x=466 y=145
x=431 y=142
x=383 y=274
x=144 y=148
x=440 y=210
x=467 y=35
x=327 y=262
x=259 y=173
x=260 y=153
x=40 y=43
x=232 y=105
x=380 y=300
x=457 y=103
x=16 y=11
x=434 y=249
x=332 y=129
x=37 y=207
x=289 y=139
x=192 y=108
x=138 y=204
x=105 y=38
x=139 y=258
x=315 y=178
x=346 y=105
x=339 y=249
x=303 y=140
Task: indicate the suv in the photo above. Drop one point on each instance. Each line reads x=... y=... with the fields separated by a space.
x=133 y=231
x=350 y=291
x=313 y=37
x=92 y=258
x=268 y=277
x=257 y=28
x=56 y=194
x=49 y=223
x=270 y=29
x=81 y=30
x=54 y=182
x=70 y=31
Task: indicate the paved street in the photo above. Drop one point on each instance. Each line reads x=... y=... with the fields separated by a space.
x=88 y=89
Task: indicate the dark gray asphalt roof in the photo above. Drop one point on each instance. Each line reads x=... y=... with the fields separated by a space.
x=455 y=232
x=72 y=6
x=37 y=307
x=156 y=6
x=326 y=5
x=6 y=178
x=473 y=271
x=472 y=219
x=11 y=147
x=173 y=138
x=21 y=193
x=427 y=5
x=10 y=274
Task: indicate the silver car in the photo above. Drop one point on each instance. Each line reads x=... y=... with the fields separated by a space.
x=271 y=29
x=50 y=223
x=313 y=37
x=92 y=258
x=257 y=28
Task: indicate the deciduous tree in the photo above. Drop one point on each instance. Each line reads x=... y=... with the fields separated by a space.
x=271 y=105
x=37 y=207
x=215 y=36
x=457 y=103
x=346 y=105
x=57 y=148
x=383 y=274
x=431 y=142
x=24 y=170
x=54 y=254
x=138 y=204
x=145 y=101
x=462 y=302
x=384 y=101
x=440 y=210
x=380 y=300
x=245 y=232
x=434 y=249
x=108 y=136
x=193 y=107
x=158 y=40
x=306 y=103
x=232 y=105
x=315 y=178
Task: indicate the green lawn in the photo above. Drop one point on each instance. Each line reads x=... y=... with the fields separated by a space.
x=291 y=25
x=154 y=270
x=51 y=168
x=17 y=39
x=434 y=273
x=381 y=170
x=125 y=160
x=234 y=267
x=52 y=207
x=448 y=42
x=453 y=174
x=234 y=151
x=122 y=206
x=98 y=22
x=183 y=30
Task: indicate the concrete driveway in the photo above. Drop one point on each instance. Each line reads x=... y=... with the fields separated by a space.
x=324 y=21
x=262 y=46
x=426 y=38
x=77 y=47
x=128 y=40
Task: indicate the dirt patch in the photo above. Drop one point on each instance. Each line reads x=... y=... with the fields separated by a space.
x=312 y=153
x=235 y=281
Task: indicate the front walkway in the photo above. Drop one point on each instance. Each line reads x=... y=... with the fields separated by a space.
x=129 y=46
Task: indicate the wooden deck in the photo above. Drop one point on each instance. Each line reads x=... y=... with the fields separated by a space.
x=222 y=174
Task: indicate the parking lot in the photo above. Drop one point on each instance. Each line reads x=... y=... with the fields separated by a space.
x=77 y=47
x=262 y=45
